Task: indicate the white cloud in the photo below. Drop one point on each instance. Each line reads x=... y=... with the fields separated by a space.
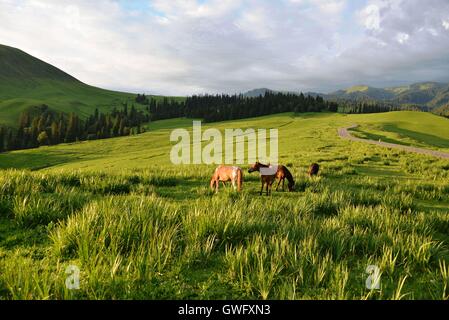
x=433 y=32
x=370 y=17
x=445 y=24
x=192 y=46
x=330 y=7
x=402 y=37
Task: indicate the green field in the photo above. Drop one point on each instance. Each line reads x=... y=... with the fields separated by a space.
x=139 y=227
x=416 y=129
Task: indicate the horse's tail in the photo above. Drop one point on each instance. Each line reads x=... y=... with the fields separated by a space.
x=239 y=180
x=289 y=176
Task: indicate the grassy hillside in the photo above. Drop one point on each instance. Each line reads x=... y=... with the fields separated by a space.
x=26 y=82
x=139 y=227
x=414 y=129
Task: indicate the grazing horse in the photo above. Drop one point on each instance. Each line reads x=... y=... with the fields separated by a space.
x=282 y=174
x=314 y=170
x=224 y=174
x=266 y=178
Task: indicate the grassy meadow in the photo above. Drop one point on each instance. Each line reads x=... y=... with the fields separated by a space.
x=139 y=227
x=414 y=130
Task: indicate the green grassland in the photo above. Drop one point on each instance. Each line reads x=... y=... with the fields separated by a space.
x=416 y=129
x=139 y=227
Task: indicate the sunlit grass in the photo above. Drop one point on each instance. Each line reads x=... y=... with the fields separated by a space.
x=140 y=231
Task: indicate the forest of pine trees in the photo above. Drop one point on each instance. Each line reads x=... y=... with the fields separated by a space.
x=213 y=108
x=359 y=107
x=41 y=126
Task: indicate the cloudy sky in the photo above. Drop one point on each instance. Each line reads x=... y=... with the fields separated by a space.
x=181 y=47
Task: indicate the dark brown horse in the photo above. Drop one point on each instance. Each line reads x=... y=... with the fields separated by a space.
x=267 y=175
x=282 y=174
x=314 y=170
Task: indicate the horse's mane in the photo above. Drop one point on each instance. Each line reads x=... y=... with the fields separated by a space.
x=264 y=165
x=289 y=177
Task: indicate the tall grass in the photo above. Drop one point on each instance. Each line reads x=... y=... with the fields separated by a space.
x=153 y=234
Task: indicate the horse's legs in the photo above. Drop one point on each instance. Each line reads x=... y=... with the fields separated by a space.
x=261 y=191
x=239 y=181
x=283 y=185
x=279 y=183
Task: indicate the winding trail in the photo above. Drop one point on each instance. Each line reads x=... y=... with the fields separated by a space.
x=345 y=134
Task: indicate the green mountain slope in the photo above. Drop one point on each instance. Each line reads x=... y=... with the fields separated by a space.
x=362 y=93
x=26 y=81
x=426 y=94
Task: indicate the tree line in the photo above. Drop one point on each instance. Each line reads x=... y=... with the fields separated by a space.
x=442 y=111
x=40 y=126
x=359 y=107
x=214 y=108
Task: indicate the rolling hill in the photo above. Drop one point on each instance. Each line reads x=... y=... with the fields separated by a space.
x=429 y=94
x=26 y=81
x=362 y=92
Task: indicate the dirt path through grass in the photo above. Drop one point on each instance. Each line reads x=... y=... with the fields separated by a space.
x=345 y=134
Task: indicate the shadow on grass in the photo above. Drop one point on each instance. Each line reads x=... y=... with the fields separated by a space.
x=418 y=137
x=33 y=161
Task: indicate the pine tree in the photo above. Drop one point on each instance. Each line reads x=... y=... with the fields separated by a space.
x=42 y=123
x=116 y=127
x=54 y=133
x=2 y=139
x=43 y=138
x=24 y=120
x=122 y=127
x=72 y=133
x=10 y=143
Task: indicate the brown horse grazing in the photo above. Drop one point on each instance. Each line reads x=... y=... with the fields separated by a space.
x=314 y=170
x=282 y=174
x=267 y=178
x=225 y=174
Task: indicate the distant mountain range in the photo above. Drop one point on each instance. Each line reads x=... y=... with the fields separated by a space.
x=429 y=94
x=433 y=95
